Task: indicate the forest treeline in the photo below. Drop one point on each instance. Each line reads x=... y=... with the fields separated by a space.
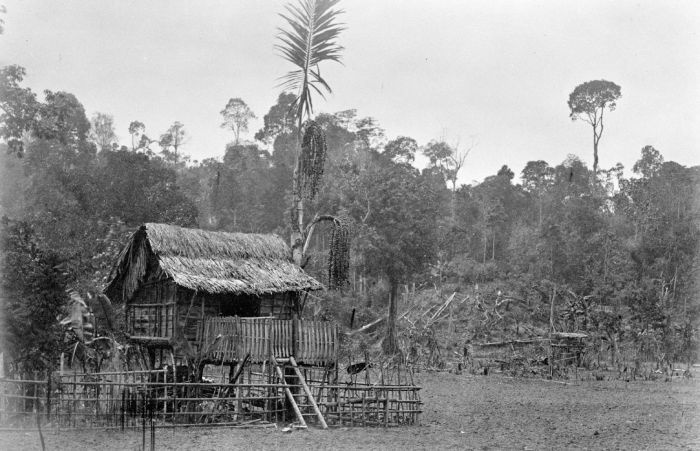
x=625 y=243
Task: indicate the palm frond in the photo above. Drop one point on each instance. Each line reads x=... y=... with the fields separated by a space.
x=310 y=39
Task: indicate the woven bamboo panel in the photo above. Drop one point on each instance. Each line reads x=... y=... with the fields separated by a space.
x=151 y=320
x=316 y=342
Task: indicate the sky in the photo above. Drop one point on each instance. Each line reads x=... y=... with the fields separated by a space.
x=494 y=73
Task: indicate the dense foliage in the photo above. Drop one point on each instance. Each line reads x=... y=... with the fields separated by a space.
x=628 y=245
x=34 y=296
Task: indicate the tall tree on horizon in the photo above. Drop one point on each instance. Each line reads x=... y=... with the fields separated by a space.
x=136 y=130
x=588 y=102
x=175 y=137
x=236 y=116
x=102 y=130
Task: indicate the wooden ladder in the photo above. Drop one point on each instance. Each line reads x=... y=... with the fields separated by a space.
x=290 y=396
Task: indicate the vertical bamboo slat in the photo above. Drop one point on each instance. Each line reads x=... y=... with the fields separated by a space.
x=315 y=341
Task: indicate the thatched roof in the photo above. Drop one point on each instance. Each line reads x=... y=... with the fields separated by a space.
x=212 y=262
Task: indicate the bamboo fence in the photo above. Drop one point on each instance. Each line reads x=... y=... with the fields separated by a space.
x=122 y=400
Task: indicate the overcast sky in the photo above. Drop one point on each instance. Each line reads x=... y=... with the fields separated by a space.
x=500 y=71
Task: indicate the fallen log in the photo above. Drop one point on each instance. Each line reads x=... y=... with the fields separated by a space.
x=443 y=307
x=508 y=342
x=366 y=326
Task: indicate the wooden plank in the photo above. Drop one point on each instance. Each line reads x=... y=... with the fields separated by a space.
x=297 y=412
x=308 y=393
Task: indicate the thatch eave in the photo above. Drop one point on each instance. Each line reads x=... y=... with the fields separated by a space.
x=205 y=261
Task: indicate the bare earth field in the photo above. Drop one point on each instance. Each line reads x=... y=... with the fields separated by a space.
x=461 y=412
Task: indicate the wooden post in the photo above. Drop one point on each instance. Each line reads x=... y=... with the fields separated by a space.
x=551 y=311
x=289 y=394
x=165 y=390
x=75 y=401
x=308 y=393
x=386 y=399
x=176 y=408
x=364 y=407
x=352 y=414
x=268 y=401
x=48 y=396
x=239 y=404
x=551 y=329
x=400 y=404
x=201 y=330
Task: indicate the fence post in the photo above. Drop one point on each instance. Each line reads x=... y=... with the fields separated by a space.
x=48 y=396
x=269 y=402
x=3 y=402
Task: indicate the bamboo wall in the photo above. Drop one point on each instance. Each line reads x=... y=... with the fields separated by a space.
x=151 y=311
x=151 y=320
x=281 y=306
x=310 y=342
x=161 y=310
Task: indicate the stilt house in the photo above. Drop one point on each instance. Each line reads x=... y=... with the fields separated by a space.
x=218 y=296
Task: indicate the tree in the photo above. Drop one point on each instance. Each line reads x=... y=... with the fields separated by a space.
x=3 y=10
x=236 y=116
x=61 y=117
x=650 y=163
x=401 y=232
x=309 y=41
x=496 y=198
x=455 y=163
x=369 y=132
x=401 y=150
x=34 y=288
x=449 y=160
x=19 y=108
x=279 y=120
x=173 y=138
x=537 y=178
x=102 y=131
x=588 y=102
x=138 y=188
x=136 y=129
x=243 y=185
x=439 y=153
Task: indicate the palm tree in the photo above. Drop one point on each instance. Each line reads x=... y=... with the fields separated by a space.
x=309 y=40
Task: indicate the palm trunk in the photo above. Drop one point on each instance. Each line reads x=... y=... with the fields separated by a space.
x=453 y=203
x=296 y=236
x=297 y=211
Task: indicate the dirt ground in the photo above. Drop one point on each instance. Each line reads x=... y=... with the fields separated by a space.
x=460 y=412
